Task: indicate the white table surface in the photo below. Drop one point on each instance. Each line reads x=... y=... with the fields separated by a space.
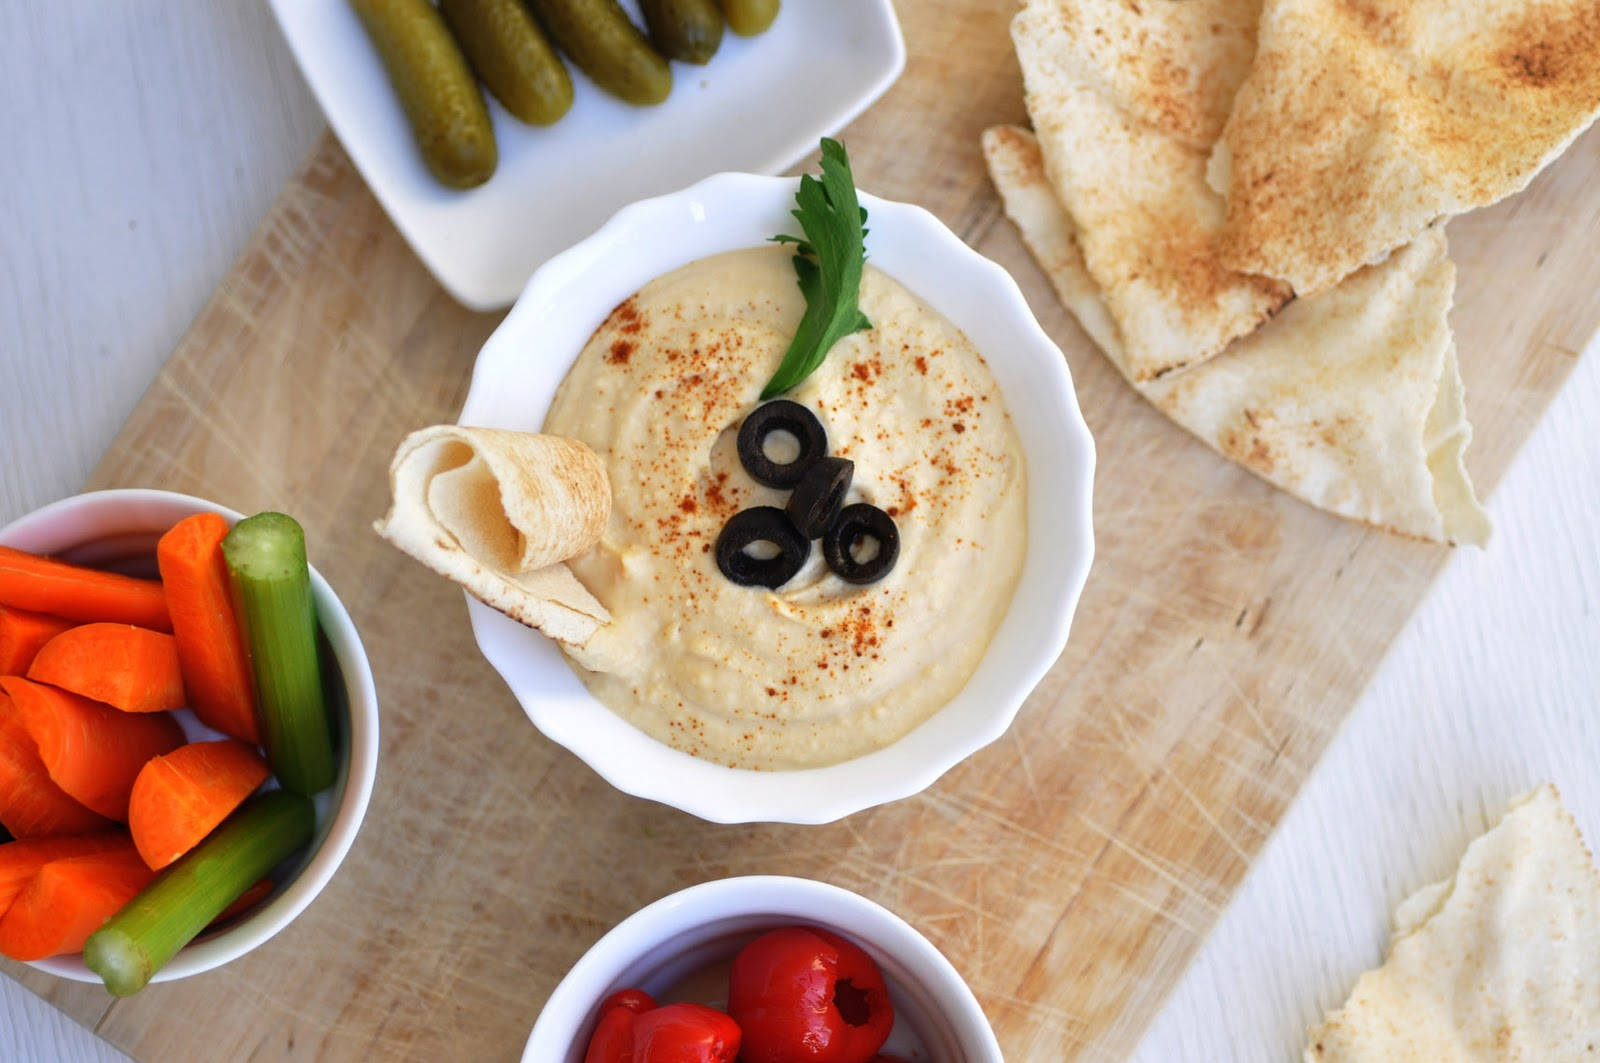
x=146 y=141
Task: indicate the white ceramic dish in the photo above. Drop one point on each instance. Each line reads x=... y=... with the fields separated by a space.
x=526 y=358
x=760 y=104
x=107 y=527
x=937 y=1019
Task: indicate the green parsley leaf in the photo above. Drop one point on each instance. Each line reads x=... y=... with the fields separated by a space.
x=827 y=263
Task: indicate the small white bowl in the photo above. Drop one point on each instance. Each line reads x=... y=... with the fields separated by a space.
x=937 y=1019
x=523 y=362
x=108 y=527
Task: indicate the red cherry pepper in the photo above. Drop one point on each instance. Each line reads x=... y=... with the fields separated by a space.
x=612 y=1040
x=804 y=995
x=635 y=1000
x=685 y=1033
x=633 y=1030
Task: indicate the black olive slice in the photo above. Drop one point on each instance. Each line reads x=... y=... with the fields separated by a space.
x=818 y=496
x=761 y=524
x=780 y=415
x=859 y=525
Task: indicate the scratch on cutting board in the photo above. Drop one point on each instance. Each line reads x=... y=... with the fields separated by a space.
x=231 y=441
x=1150 y=864
x=1008 y=824
x=1049 y=1012
x=1205 y=814
x=1014 y=736
x=1161 y=911
x=1132 y=747
x=169 y=459
x=1268 y=741
x=1158 y=770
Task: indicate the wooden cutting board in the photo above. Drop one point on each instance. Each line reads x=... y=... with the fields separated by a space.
x=1070 y=870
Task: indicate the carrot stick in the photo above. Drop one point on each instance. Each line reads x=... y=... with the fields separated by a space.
x=91 y=751
x=21 y=635
x=260 y=891
x=179 y=798
x=31 y=806
x=129 y=668
x=44 y=585
x=21 y=859
x=216 y=669
x=67 y=900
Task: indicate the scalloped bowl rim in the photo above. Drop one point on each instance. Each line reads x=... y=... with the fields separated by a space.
x=340 y=810
x=527 y=356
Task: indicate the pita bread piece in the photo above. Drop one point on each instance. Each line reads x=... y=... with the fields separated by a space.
x=1499 y=962
x=1351 y=401
x=498 y=512
x=1174 y=66
x=1363 y=121
x=1147 y=220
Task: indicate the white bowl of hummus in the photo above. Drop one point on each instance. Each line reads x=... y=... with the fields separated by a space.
x=650 y=341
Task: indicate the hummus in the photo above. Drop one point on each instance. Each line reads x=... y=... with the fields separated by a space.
x=820 y=670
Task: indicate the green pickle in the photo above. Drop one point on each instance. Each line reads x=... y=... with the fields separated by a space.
x=687 y=30
x=749 y=17
x=607 y=46
x=511 y=55
x=441 y=97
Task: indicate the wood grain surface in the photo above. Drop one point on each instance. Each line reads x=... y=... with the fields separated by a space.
x=1069 y=870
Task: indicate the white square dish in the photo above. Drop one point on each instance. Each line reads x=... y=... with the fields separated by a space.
x=760 y=104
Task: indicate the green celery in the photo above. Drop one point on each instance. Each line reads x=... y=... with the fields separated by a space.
x=183 y=900
x=266 y=556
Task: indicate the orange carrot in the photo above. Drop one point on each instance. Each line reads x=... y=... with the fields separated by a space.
x=216 y=668
x=31 y=806
x=66 y=900
x=45 y=585
x=21 y=635
x=19 y=860
x=129 y=668
x=91 y=751
x=243 y=903
x=178 y=799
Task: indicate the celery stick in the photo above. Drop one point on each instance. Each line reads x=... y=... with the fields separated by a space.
x=136 y=942
x=266 y=556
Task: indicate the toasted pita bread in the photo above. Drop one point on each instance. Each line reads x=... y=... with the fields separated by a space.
x=1351 y=401
x=1173 y=66
x=1125 y=117
x=498 y=512
x=1499 y=962
x=1364 y=121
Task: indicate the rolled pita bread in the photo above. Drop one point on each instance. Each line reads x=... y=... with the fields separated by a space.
x=1351 y=401
x=1361 y=123
x=498 y=512
x=1499 y=962
x=1126 y=101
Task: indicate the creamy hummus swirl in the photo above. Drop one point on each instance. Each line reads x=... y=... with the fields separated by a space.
x=820 y=670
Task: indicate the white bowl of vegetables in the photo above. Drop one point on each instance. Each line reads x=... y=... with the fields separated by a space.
x=218 y=820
